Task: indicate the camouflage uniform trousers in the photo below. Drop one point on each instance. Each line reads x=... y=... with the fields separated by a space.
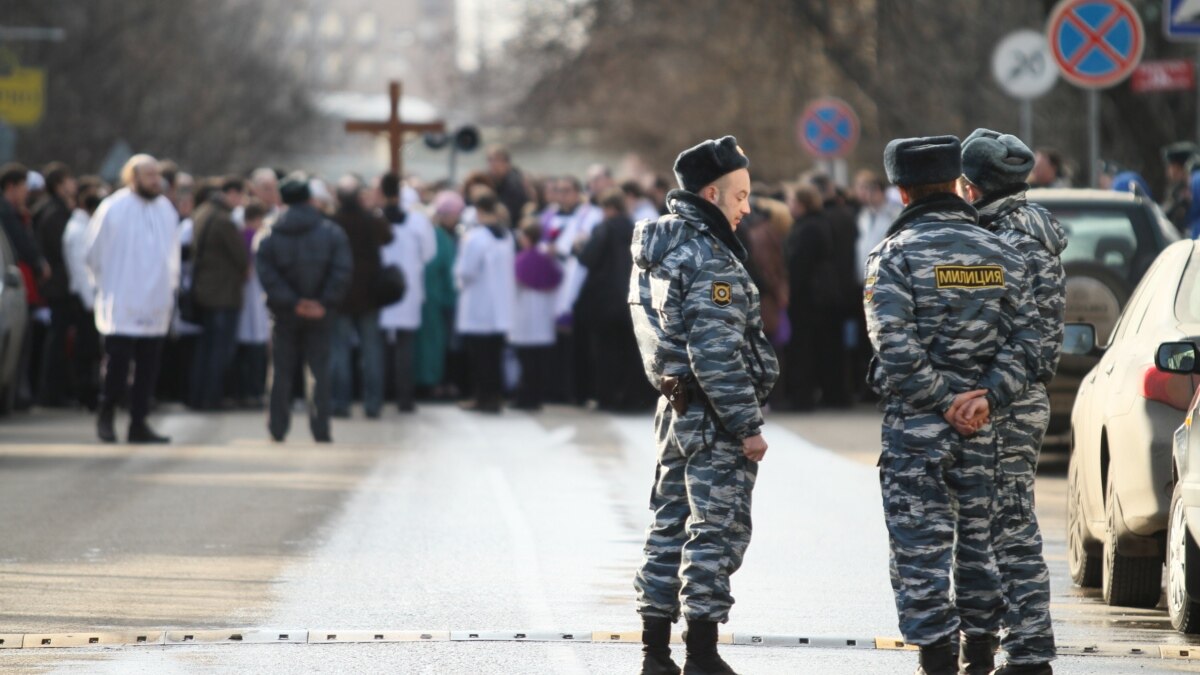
x=1016 y=537
x=938 y=489
x=701 y=528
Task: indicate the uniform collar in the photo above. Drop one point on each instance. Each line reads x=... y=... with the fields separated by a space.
x=699 y=211
x=943 y=206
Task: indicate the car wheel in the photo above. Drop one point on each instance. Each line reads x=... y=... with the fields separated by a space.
x=1127 y=581
x=1183 y=570
x=1094 y=294
x=1082 y=555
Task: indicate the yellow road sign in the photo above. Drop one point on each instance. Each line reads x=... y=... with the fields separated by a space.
x=23 y=96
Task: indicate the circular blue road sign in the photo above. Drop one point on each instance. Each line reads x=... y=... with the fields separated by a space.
x=828 y=128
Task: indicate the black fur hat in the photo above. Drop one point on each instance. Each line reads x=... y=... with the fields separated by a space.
x=994 y=161
x=923 y=161
x=700 y=165
x=294 y=189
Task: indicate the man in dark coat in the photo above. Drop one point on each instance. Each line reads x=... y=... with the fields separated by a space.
x=358 y=314
x=509 y=182
x=14 y=190
x=49 y=223
x=620 y=383
x=220 y=263
x=304 y=264
x=809 y=254
x=838 y=291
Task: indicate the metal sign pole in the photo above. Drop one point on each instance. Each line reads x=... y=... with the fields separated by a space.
x=1094 y=137
x=841 y=172
x=1027 y=121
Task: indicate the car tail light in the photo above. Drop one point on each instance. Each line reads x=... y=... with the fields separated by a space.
x=1173 y=390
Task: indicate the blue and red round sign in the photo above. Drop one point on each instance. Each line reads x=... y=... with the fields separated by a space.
x=1096 y=43
x=828 y=128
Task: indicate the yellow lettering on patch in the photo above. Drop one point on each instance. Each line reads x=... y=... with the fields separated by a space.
x=969 y=276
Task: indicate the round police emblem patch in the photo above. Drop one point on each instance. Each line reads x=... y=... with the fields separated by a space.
x=722 y=293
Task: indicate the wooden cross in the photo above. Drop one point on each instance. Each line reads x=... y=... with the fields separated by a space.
x=395 y=128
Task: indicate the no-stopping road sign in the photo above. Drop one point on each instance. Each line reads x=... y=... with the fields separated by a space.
x=1096 y=43
x=828 y=128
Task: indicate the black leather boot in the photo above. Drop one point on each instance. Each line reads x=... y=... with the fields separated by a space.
x=141 y=433
x=104 y=424
x=1025 y=669
x=656 y=647
x=938 y=659
x=702 y=657
x=977 y=655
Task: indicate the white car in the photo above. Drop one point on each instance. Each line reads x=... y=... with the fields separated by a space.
x=1122 y=428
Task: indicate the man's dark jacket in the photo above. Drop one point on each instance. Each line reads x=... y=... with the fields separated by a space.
x=19 y=237
x=511 y=191
x=220 y=257
x=303 y=257
x=606 y=256
x=368 y=234
x=49 y=222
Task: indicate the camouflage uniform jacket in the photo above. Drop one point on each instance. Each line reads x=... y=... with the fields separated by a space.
x=696 y=311
x=948 y=310
x=1040 y=240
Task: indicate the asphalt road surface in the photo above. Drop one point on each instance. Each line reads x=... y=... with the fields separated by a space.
x=449 y=523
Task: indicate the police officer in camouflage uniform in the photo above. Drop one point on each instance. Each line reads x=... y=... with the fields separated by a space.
x=994 y=169
x=950 y=319
x=699 y=330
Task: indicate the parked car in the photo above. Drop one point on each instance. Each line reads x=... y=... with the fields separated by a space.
x=13 y=319
x=1120 y=474
x=1183 y=523
x=1112 y=238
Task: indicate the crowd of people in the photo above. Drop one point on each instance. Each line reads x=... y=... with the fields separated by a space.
x=515 y=287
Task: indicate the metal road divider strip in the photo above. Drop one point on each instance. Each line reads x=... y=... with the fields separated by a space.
x=232 y=636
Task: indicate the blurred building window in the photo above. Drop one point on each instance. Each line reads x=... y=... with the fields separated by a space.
x=331 y=68
x=366 y=29
x=301 y=25
x=366 y=70
x=332 y=28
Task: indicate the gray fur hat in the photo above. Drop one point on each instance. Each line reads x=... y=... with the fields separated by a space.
x=994 y=161
x=704 y=163
x=929 y=160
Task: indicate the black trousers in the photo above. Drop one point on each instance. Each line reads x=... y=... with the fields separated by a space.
x=86 y=356
x=52 y=388
x=403 y=368
x=145 y=355
x=531 y=390
x=619 y=377
x=583 y=340
x=250 y=366
x=833 y=360
x=295 y=342
x=485 y=353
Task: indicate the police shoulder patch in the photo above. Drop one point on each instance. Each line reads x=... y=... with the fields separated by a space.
x=969 y=276
x=722 y=293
